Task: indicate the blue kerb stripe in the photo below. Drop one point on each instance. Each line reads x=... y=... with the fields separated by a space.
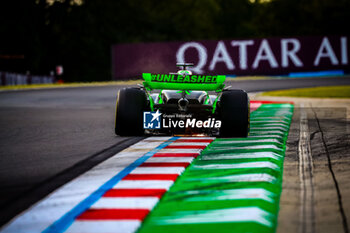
x=66 y=220
x=316 y=74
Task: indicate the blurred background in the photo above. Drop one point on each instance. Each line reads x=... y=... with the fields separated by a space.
x=39 y=35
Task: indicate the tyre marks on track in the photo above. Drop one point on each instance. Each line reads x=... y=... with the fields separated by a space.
x=330 y=167
x=307 y=211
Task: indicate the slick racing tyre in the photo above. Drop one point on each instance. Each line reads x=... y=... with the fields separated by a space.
x=234 y=111
x=131 y=103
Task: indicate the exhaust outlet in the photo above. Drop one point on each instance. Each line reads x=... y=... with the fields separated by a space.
x=183 y=103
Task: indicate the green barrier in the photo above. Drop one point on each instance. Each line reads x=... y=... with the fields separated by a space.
x=234 y=185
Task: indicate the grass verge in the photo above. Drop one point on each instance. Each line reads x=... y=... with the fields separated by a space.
x=315 y=92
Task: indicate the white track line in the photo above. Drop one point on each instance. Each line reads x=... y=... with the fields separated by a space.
x=256 y=177
x=272 y=140
x=253 y=155
x=125 y=203
x=158 y=170
x=306 y=176
x=239 y=165
x=230 y=194
x=121 y=226
x=176 y=151
x=283 y=129
x=267 y=132
x=279 y=136
x=198 y=138
x=144 y=184
x=170 y=160
x=243 y=214
x=282 y=122
x=248 y=147
x=190 y=143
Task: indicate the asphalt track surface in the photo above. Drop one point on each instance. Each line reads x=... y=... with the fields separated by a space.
x=50 y=136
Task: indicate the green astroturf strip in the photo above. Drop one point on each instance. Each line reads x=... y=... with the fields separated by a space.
x=234 y=185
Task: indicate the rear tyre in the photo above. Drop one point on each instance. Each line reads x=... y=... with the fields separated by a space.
x=131 y=103
x=234 y=111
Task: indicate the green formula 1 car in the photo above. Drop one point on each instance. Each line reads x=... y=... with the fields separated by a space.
x=185 y=104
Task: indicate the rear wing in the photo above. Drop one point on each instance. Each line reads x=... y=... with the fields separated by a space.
x=180 y=82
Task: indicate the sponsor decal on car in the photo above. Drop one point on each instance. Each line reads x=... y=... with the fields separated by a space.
x=174 y=78
x=155 y=120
